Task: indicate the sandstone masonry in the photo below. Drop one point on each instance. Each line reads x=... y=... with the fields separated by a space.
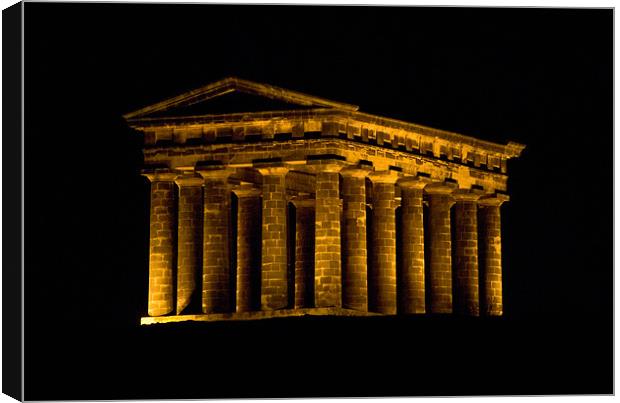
x=316 y=209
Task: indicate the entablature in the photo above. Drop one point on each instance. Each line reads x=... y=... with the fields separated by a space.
x=356 y=127
x=300 y=157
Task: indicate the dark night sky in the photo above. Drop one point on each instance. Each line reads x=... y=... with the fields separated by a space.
x=542 y=77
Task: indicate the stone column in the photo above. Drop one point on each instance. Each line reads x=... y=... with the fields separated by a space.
x=161 y=243
x=466 y=296
x=274 y=284
x=412 y=293
x=304 y=253
x=327 y=265
x=216 y=293
x=354 y=271
x=491 y=253
x=440 y=259
x=189 y=238
x=382 y=276
x=248 y=247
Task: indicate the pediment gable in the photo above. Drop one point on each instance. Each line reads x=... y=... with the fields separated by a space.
x=234 y=95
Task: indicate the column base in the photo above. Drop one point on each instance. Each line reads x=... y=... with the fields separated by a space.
x=254 y=315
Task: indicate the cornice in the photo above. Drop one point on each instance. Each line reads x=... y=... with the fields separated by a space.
x=509 y=150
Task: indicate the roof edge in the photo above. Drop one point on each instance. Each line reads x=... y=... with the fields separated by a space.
x=510 y=150
x=230 y=84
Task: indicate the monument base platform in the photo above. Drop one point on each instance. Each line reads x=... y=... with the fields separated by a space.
x=255 y=315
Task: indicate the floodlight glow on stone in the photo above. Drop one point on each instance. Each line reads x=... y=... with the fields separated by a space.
x=293 y=212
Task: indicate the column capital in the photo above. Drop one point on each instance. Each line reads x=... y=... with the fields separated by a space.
x=413 y=182
x=246 y=191
x=356 y=171
x=494 y=199
x=464 y=195
x=214 y=172
x=388 y=176
x=445 y=188
x=278 y=169
x=322 y=166
x=159 y=174
x=325 y=163
x=189 y=180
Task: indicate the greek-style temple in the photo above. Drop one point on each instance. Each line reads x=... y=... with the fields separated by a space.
x=267 y=202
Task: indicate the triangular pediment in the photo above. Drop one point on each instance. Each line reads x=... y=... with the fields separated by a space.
x=234 y=95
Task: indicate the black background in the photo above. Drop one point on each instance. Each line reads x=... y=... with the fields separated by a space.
x=542 y=77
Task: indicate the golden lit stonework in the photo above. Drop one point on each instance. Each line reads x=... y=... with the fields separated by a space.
x=268 y=203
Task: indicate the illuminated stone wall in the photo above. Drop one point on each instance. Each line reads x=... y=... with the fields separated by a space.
x=260 y=215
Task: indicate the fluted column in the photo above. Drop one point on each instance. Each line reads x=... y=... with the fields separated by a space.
x=382 y=276
x=248 y=248
x=327 y=264
x=355 y=269
x=491 y=253
x=466 y=295
x=274 y=284
x=412 y=292
x=304 y=253
x=189 y=239
x=440 y=259
x=216 y=279
x=161 y=243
